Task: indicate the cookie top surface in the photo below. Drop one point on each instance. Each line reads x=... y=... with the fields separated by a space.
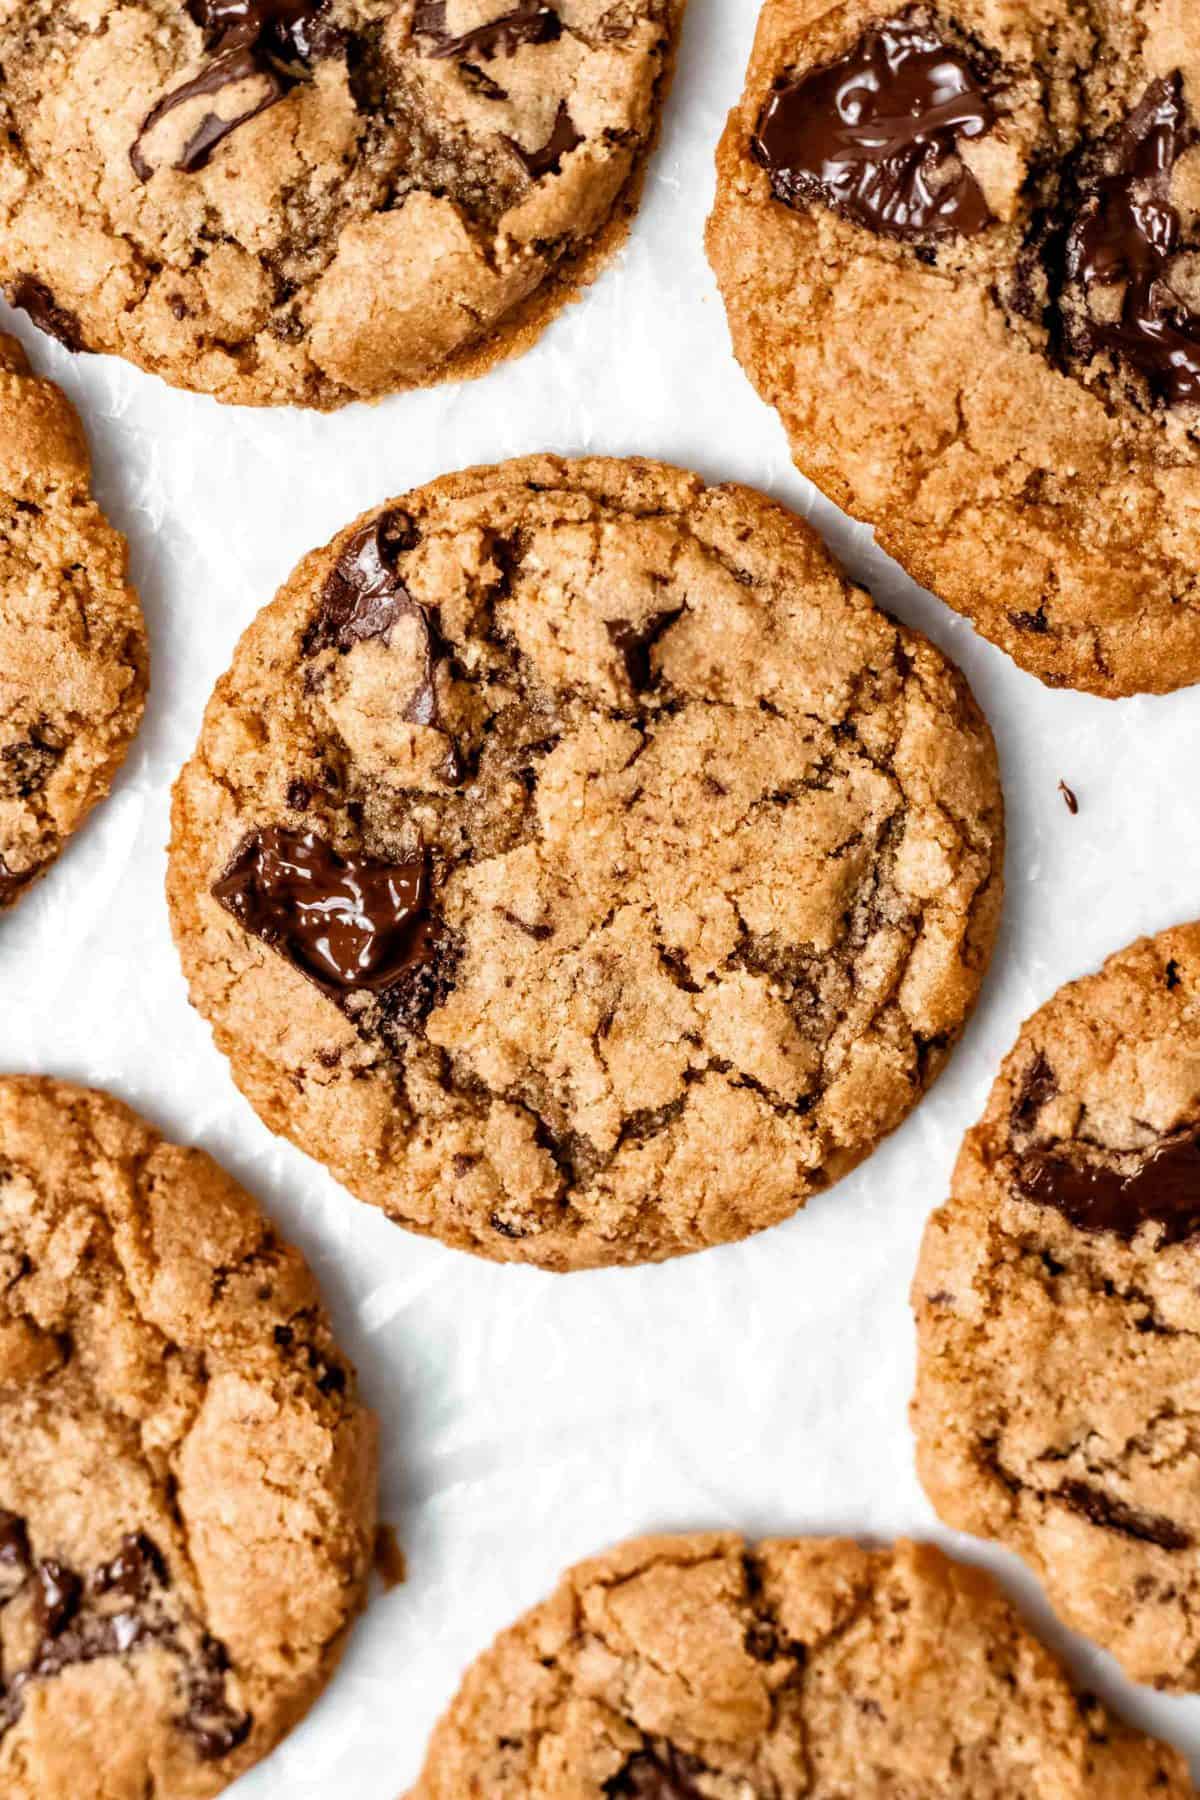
x=697 y=1668
x=1058 y=1307
x=314 y=201
x=575 y=862
x=72 y=642
x=187 y=1480
x=960 y=252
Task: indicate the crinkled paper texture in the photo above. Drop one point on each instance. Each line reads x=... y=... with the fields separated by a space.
x=528 y=1419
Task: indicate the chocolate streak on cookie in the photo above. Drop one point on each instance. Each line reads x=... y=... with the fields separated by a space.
x=530 y=22
x=34 y=297
x=364 y=598
x=265 y=45
x=350 y=924
x=1163 y=1190
x=1110 y=1514
x=76 y=1626
x=1126 y=235
x=875 y=135
x=548 y=160
x=653 y=1776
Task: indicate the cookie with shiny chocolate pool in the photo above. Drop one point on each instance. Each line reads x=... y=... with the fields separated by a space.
x=187 y=1475
x=576 y=863
x=317 y=201
x=73 y=657
x=1058 y=1310
x=695 y=1668
x=960 y=252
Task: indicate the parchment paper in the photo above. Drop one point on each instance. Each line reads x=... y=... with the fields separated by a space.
x=529 y=1420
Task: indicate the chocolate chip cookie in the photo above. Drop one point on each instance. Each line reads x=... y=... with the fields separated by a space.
x=317 y=201
x=692 y=1668
x=187 y=1476
x=960 y=251
x=1058 y=1309
x=576 y=863
x=72 y=642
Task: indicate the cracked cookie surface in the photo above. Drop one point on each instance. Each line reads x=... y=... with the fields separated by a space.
x=1058 y=1312
x=316 y=201
x=960 y=253
x=187 y=1477
x=73 y=660
x=576 y=863
x=701 y=1668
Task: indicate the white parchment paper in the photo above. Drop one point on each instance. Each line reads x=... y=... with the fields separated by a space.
x=529 y=1420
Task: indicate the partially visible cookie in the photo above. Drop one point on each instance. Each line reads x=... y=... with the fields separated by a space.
x=698 y=1668
x=1058 y=1310
x=960 y=251
x=576 y=863
x=187 y=1475
x=317 y=201
x=72 y=642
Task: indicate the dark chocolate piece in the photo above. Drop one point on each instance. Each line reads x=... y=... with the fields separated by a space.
x=1111 y=1514
x=875 y=135
x=1163 y=1189
x=529 y=22
x=212 y=1724
x=272 y=43
x=635 y=643
x=34 y=297
x=1125 y=235
x=1070 y=799
x=1038 y=1086
x=350 y=924
x=56 y=1597
x=548 y=160
x=134 y=1572
x=657 y=1775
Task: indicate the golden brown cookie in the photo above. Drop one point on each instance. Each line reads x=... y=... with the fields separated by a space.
x=960 y=252
x=73 y=656
x=187 y=1475
x=1058 y=1309
x=576 y=863
x=698 y=1668
x=317 y=201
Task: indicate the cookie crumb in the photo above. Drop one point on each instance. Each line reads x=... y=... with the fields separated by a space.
x=1070 y=800
x=391 y=1565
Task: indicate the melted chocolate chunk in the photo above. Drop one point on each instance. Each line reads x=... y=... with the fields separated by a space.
x=1125 y=235
x=1038 y=1086
x=15 y=1557
x=529 y=22
x=269 y=44
x=635 y=643
x=56 y=1597
x=34 y=297
x=875 y=135
x=134 y=1572
x=1114 y=1515
x=653 y=1775
x=1163 y=1190
x=350 y=924
x=548 y=160
x=214 y=1726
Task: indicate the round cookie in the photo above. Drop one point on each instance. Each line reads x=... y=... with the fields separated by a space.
x=697 y=1668
x=960 y=252
x=1058 y=1311
x=73 y=662
x=187 y=1477
x=318 y=201
x=580 y=867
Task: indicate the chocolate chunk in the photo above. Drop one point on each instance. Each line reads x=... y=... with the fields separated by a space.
x=363 y=599
x=548 y=160
x=348 y=923
x=1114 y=1515
x=655 y=1775
x=210 y=1721
x=1070 y=799
x=134 y=1572
x=56 y=1597
x=266 y=44
x=15 y=1557
x=529 y=22
x=1038 y=1086
x=1163 y=1189
x=635 y=642
x=34 y=297
x=1125 y=236
x=875 y=135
